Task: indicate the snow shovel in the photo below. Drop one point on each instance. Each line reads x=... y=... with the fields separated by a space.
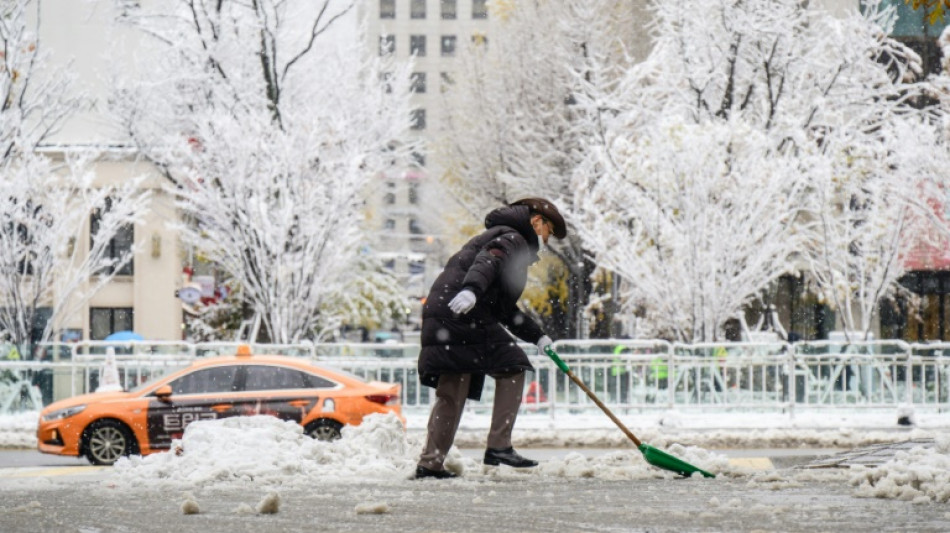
x=654 y=456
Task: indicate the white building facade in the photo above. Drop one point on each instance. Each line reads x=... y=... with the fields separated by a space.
x=80 y=37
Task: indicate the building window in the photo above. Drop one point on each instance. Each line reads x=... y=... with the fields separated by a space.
x=417 y=9
x=479 y=9
x=387 y=9
x=41 y=318
x=104 y=321
x=448 y=45
x=913 y=28
x=128 y=7
x=928 y=50
x=418 y=159
x=22 y=227
x=414 y=193
x=449 y=9
x=217 y=379
x=417 y=45
x=414 y=227
x=119 y=245
x=387 y=44
x=385 y=81
x=419 y=119
x=389 y=198
x=447 y=81
x=912 y=22
x=418 y=82
x=390 y=224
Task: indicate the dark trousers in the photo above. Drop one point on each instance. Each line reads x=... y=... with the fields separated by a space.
x=446 y=413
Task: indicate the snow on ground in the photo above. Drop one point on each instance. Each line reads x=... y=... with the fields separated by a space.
x=920 y=475
x=272 y=452
x=18 y=430
x=269 y=452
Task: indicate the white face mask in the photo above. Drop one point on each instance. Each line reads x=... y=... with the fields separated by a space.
x=540 y=244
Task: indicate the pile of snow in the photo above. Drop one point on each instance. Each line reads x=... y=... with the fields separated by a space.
x=266 y=451
x=269 y=451
x=19 y=430
x=920 y=475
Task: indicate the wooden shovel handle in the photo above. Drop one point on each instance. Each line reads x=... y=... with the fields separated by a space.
x=603 y=408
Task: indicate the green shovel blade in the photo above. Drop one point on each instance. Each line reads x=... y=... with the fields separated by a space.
x=661 y=459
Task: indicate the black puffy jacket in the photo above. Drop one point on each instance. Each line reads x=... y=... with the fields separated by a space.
x=494 y=266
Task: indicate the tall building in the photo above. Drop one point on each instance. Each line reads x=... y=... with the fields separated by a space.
x=429 y=33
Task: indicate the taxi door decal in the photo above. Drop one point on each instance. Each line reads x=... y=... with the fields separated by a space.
x=166 y=421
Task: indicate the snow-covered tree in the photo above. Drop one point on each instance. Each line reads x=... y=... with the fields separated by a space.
x=47 y=259
x=35 y=102
x=46 y=209
x=513 y=130
x=271 y=135
x=722 y=150
x=697 y=221
x=870 y=206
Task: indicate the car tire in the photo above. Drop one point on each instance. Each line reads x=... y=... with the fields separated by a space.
x=105 y=441
x=324 y=429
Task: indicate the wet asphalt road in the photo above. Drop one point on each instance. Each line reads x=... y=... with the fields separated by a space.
x=66 y=498
x=473 y=506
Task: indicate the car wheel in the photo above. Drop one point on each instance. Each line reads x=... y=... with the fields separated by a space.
x=324 y=429
x=104 y=441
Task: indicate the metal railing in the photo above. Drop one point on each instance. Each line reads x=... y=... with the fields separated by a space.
x=627 y=375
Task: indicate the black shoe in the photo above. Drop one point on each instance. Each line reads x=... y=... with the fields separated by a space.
x=507 y=456
x=423 y=472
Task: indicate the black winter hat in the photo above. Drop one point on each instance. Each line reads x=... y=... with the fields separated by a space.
x=549 y=211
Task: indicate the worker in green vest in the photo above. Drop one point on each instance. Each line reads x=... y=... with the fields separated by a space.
x=720 y=353
x=12 y=355
x=660 y=371
x=619 y=375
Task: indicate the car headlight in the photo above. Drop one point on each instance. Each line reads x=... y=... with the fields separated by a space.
x=63 y=413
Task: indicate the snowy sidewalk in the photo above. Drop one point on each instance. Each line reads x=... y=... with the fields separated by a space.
x=261 y=474
x=816 y=429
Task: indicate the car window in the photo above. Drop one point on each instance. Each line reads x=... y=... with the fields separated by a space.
x=266 y=377
x=215 y=379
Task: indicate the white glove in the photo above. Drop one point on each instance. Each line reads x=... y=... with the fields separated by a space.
x=544 y=342
x=463 y=302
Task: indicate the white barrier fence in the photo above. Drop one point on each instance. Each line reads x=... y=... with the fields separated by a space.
x=627 y=375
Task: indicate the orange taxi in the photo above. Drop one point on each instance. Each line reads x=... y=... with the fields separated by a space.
x=104 y=426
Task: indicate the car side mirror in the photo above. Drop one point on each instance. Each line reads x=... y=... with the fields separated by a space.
x=164 y=393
